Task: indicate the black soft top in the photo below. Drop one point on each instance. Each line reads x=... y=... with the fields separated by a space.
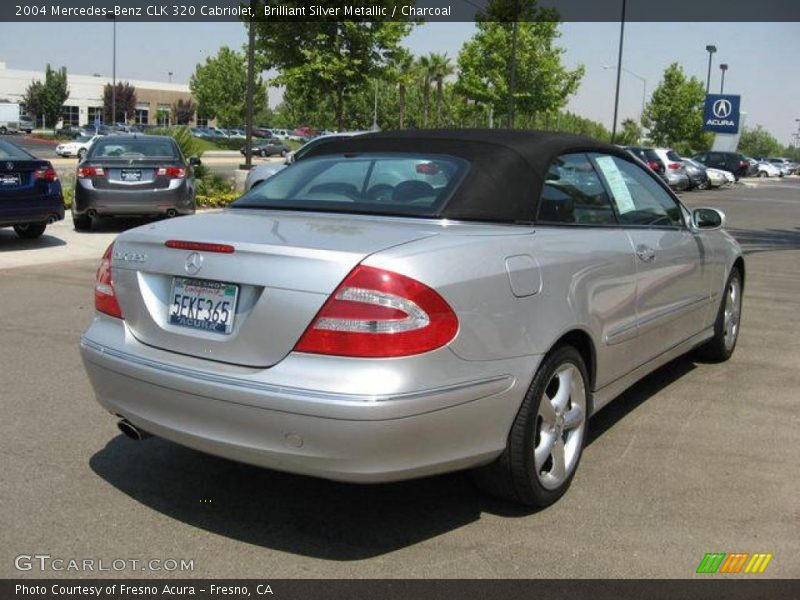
x=508 y=167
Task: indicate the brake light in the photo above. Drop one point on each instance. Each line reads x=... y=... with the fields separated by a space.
x=744 y=163
x=89 y=172
x=172 y=172
x=674 y=166
x=105 y=299
x=48 y=174
x=378 y=314
x=653 y=165
x=205 y=247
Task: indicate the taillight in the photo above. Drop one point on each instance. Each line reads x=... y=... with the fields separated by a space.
x=172 y=172
x=744 y=163
x=204 y=246
x=377 y=314
x=674 y=166
x=653 y=165
x=105 y=300
x=46 y=175
x=89 y=172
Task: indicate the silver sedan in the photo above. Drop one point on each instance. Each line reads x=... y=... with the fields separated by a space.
x=399 y=305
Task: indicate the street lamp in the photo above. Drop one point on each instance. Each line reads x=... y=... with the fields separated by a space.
x=710 y=49
x=375 y=126
x=619 y=72
x=723 y=67
x=639 y=77
x=113 y=69
x=170 y=76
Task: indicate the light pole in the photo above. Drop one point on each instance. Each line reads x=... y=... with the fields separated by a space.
x=723 y=67
x=170 y=76
x=640 y=78
x=375 y=110
x=710 y=49
x=113 y=69
x=251 y=84
x=619 y=72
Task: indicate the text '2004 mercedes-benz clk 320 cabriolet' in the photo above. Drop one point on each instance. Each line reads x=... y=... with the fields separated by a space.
x=398 y=305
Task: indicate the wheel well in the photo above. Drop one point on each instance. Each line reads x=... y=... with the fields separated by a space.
x=581 y=341
x=739 y=264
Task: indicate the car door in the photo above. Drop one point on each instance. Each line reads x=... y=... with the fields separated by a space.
x=582 y=249
x=672 y=291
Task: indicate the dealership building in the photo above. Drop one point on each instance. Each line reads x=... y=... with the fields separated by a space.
x=154 y=99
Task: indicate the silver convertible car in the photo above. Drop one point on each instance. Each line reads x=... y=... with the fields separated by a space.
x=398 y=305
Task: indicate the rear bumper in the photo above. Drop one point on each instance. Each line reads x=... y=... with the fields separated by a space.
x=37 y=210
x=133 y=202
x=333 y=435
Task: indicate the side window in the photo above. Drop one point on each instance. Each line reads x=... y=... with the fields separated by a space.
x=639 y=199
x=573 y=193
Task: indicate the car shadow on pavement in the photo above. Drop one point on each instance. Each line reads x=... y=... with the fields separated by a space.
x=314 y=517
x=10 y=241
x=753 y=241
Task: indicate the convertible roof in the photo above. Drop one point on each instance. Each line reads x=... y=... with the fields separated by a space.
x=508 y=167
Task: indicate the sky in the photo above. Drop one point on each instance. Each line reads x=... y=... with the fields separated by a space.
x=762 y=58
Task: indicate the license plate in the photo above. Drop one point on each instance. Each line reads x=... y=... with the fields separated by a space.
x=9 y=179
x=131 y=174
x=204 y=305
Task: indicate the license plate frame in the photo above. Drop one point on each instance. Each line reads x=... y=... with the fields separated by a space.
x=10 y=179
x=217 y=317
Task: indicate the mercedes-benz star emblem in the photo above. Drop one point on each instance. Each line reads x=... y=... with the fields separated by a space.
x=9 y=165
x=194 y=263
x=722 y=108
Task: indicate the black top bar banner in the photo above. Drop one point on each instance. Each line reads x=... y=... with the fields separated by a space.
x=732 y=588
x=398 y=10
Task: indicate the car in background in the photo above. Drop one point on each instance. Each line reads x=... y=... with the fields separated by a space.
x=714 y=177
x=30 y=192
x=304 y=134
x=268 y=147
x=77 y=147
x=68 y=131
x=733 y=162
x=235 y=134
x=26 y=124
x=263 y=172
x=649 y=157
x=262 y=132
x=783 y=164
x=767 y=169
x=133 y=175
x=698 y=178
x=281 y=134
x=674 y=169
x=400 y=305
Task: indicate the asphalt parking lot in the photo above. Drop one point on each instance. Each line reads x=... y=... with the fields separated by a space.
x=696 y=458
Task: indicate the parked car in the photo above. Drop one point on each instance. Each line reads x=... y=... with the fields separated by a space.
x=782 y=164
x=263 y=172
x=133 y=175
x=732 y=162
x=649 y=157
x=30 y=192
x=767 y=169
x=696 y=173
x=262 y=132
x=268 y=147
x=715 y=177
x=674 y=169
x=752 y=166
x=77 y=147
x=281 y=134
x=410 y=303
x=26 y=124
x=69 y=131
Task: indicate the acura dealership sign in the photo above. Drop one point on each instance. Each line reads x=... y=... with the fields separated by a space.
x=722 y=113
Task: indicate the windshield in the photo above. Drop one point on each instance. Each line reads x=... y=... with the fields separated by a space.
x=391 y=184
x=83 y=138
x=134 y=148
x=11 y=152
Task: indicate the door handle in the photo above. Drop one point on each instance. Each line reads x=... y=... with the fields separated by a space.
x=645 y=253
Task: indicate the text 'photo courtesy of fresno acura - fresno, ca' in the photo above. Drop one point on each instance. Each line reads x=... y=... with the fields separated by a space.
x=403 y=304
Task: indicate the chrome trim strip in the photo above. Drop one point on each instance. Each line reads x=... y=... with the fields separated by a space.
x=301 y=393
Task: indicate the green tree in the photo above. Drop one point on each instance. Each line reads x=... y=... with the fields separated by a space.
x=441 y=67
x=759 y=142
x=220 y=87
x=541 y=82
x=329 y=58
x=124 y=101
x=674 y=114
x=401 y=72
x=47 y=97
x=630 y=133
x=183 y=111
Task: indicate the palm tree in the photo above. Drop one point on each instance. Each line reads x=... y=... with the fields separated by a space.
x=424 y=68
x=440 y=67
x=403 y=71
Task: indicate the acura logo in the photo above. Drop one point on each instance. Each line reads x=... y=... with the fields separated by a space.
x=722 y=108
x=194 y=263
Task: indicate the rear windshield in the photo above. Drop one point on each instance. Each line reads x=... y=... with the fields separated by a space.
x=11 y=152
x=134 y=148
x=672 y=155
x=390 y=184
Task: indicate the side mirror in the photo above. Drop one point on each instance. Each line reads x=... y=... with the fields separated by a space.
x=194 y=161
x=708 y=219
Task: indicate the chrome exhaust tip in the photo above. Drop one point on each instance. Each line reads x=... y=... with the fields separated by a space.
x=91 y=213
x=172 y=213
x=131 y=431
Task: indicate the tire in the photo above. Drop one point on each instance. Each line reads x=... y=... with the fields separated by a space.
x=30 y=231
x=762 y=174
x=81 y=222
x=523 y=475
x=3 y=131
x=728 y=322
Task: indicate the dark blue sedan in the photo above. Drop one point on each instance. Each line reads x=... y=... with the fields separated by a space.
x=30 y=192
